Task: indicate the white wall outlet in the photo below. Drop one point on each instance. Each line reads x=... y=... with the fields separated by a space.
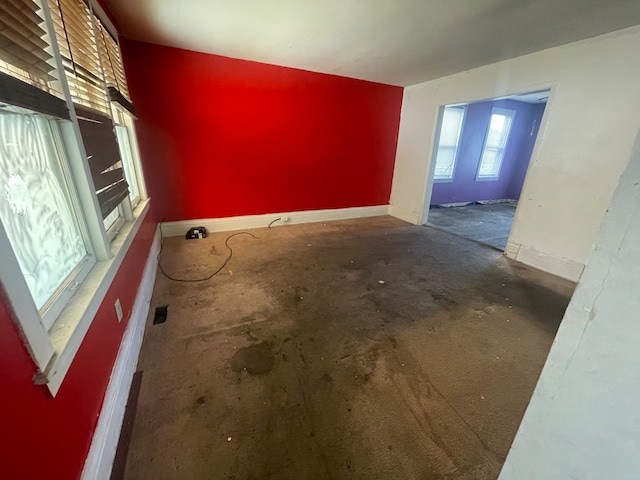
x=284 y=219
x=118 y=310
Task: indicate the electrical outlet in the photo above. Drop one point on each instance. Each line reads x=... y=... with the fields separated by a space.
x=284 y=219
x=118 y=310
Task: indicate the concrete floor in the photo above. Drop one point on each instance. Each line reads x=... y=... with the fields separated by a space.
x=296 y=363
x=489 y=224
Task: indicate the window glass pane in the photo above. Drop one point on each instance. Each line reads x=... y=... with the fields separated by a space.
x=495 y=143
x=35 y=206
x=127 y=161
x=445 y=162
x=490 y=164
x=448 y=143
x=451 y=123
x=111 y=219
x=497 y=135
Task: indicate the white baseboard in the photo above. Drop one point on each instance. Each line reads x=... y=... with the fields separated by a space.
x=404 y=214
x=452 y=205
x=500 y=200
x=481 y=202
x=99 y=461
x=562 y=267
x=175 y=229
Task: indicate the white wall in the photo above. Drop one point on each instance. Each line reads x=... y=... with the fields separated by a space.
x=584 y=416
x=589 y=126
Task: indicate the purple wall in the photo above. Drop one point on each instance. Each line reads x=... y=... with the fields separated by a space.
x=464 y=187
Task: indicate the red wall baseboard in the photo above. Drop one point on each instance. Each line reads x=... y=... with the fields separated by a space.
x=222 y=137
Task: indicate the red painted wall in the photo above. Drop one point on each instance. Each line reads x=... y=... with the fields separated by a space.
x=49 y=438
x=222 y=137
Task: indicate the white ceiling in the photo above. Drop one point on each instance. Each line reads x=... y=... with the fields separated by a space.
x=399 y=42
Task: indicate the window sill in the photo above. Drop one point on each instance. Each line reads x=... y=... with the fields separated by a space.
x=68 y=332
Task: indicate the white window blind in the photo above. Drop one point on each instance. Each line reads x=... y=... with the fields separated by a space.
x=25 y=51
x=448 y=143
x=79 y=50
x=496 y=143
x=111 y=60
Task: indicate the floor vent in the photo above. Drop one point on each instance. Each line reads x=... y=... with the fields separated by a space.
x=160 y=315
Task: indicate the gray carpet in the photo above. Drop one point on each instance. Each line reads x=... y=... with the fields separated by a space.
x=488 y=224
x=296 y=363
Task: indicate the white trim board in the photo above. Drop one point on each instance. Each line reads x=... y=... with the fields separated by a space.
x=562 y=267
x=404 y=214
x=175 y=229
x=477 y=202
x=99 y=461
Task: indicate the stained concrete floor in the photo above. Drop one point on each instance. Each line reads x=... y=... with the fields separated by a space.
x=296 y=363
x=489 y=224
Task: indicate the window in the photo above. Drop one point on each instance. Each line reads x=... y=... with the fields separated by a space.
x=495 y=143
x=448 y=143
x=39 y=212
x=125 y=133
x=112 y=221
x=72 y=195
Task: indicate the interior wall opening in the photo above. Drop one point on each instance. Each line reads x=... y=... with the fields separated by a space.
x=481 y=158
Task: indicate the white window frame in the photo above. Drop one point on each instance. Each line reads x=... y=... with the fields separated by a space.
x=67 y=289
x=501 y=149
x=53 y=349
x=113 y=229
x=52 y=308
x=448 y=179
x=125 y=119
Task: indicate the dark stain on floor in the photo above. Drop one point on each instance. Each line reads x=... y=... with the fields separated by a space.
x=255 y=359
x=300 y=365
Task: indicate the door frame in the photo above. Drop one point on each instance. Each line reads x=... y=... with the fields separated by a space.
x=428 y=191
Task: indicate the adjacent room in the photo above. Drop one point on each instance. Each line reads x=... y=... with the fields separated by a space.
x=319 y=240
x=481 y=162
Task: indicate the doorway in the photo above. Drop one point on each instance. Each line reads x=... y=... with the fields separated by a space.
x=481 y=161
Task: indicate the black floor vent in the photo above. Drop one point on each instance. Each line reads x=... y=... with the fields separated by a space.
x=160 y=315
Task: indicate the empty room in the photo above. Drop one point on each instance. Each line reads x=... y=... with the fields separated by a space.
x=319 y=240
x=483 y=153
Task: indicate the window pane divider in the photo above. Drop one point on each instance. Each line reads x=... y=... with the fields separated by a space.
x=70 y=133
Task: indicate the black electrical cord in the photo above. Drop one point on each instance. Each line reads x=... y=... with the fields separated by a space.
x=274 y=221
x=224 y=264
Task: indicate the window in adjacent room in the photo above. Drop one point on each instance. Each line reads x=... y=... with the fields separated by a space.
x=495 y=143
x=448 y=144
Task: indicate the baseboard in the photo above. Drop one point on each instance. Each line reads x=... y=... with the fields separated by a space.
x=174 y=229
x=562 y=267
x=404 y=214
x=105 y=438
x=451 y=205
x=494 y=202
x=474 y=202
